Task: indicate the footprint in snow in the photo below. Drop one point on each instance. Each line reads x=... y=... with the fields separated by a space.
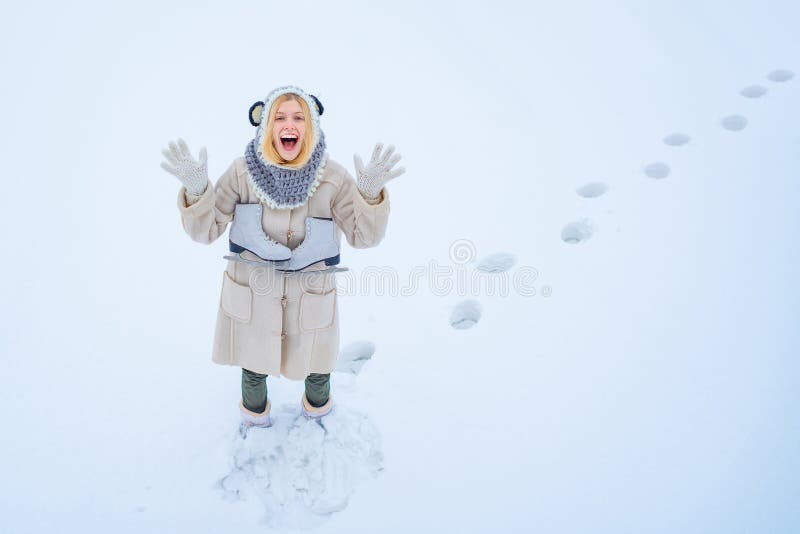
x=499 y=262
x=354 y=355
x=657 y=170
x=592 y=190
x=301 y=470
x=676 y=139
x=466 y=314
x=753 y=91
x=577 y=232
x=780 y=75
x=733 y=123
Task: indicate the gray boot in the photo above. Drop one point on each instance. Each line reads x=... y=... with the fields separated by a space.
x=320 y=244
x=247 y=234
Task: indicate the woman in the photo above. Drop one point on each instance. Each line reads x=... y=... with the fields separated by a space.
x=270 y=322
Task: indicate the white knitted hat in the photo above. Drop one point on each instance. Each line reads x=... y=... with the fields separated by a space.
x=257 y=115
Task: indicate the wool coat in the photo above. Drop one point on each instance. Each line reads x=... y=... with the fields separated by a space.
x=270 y=322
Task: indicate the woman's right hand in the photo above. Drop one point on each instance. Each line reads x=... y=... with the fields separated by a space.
x=193 y=173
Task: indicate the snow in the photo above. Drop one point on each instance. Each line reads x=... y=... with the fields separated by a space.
x=499 y=262
x=734 y=123
x=780 y=75
x=578 y=231
x=676 y=139
x=466 y=314
x=354 y=355
x=753 y=91
x=636 y=364
x=302 y=470
x=657 y=170
x=592 y=190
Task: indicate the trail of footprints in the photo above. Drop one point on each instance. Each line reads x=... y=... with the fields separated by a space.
x=579 y=231
x=468 y=312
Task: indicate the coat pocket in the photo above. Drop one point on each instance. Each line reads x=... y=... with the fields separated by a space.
x=236 y=300
x=317 y=310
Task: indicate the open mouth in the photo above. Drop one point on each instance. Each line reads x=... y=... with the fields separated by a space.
x=289 y=142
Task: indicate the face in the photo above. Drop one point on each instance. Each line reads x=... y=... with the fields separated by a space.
x=289 y=129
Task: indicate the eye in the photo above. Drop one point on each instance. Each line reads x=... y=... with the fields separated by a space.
x=279 y=118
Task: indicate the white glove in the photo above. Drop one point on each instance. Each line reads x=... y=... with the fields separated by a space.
x=374 y=176
x=193 y=174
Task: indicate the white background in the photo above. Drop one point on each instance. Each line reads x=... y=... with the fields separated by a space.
x=654 y=391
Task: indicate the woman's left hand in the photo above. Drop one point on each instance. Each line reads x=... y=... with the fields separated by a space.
x=374 y=176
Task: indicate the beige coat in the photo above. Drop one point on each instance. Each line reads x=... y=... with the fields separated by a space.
x=275 y=323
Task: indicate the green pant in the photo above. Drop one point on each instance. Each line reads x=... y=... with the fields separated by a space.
x=254 y=390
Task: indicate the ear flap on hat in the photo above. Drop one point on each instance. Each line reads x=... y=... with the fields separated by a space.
x=256 y=112
x=320 y=109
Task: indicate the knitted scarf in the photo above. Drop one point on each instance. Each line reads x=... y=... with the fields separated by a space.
x=283 y=188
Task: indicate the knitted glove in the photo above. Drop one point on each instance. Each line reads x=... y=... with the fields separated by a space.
x=193 y=174
x=374 y=176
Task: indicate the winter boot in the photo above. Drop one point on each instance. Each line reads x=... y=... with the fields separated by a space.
x=247 y=234
x=251 y=419
x=313 y=412
x=320 y=244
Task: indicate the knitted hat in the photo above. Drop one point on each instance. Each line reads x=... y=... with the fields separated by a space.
x=257 y=110
x=277 y=185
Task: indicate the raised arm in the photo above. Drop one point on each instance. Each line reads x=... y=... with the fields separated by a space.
x=362 y=222
x=361 y=208
x=205 y=209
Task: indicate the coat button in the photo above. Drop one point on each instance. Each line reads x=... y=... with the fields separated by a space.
x=284 y=300
x=289 y=235
x=283 y=336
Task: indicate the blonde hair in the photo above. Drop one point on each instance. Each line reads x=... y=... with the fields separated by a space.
x=268 y=149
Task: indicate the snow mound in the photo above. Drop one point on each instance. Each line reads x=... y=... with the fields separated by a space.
x=466 y=314
x=733 y=123
x=676 y=139
x=592 y=190
x=657 y=170
x=499 y=262
x=780 y=75
x=753 y=91
x=354 y=355
x=303 y=470
x=577 y=231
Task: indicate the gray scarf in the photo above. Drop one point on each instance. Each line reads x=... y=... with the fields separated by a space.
x=283 y=188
